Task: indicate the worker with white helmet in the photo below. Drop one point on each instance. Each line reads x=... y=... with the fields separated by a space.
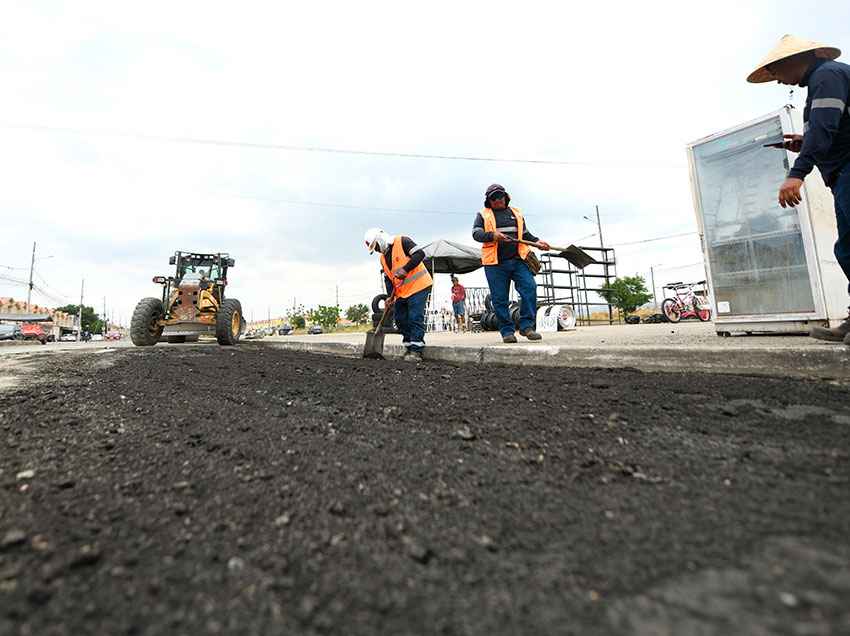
x=409 y=282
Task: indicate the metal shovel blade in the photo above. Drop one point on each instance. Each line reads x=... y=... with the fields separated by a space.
x=578 y=257
x=374 y=347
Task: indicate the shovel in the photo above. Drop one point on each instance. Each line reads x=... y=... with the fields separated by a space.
x=573 y=254
x=374 y=347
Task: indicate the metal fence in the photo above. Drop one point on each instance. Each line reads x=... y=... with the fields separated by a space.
x=560 y=283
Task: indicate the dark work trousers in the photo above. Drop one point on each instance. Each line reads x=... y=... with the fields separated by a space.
x=499 y=279
x=841 y=192
x=410 y=319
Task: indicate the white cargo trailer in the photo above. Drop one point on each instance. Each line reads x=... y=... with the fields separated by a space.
x=771 y=269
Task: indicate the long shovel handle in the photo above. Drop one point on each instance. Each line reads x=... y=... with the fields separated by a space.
x=552 y=248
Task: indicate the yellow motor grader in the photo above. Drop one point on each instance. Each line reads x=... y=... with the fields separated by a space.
x=192 y=304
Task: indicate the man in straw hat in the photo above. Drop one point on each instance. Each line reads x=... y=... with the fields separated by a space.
x=826 y=142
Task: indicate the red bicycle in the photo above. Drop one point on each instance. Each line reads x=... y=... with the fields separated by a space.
x=686 y=303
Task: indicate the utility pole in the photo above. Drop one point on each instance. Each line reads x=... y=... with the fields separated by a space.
x=29 y=288
x=103 y=324
x=269 y=315
x=652 y=276
x=80 y=312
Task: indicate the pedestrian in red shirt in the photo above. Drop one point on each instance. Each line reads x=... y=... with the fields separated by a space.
x=459 y=303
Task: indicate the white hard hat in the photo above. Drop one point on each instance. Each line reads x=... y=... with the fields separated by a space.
x=377 y=239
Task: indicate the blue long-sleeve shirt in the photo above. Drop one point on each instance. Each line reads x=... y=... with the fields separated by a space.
x=826 y=139
x=506 y=224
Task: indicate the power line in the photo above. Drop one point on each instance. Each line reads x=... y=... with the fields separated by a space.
x=680 y=266
x=226 y=143
x=53 y=289
x=42 y=292
x=17 y=281
x=348 y=206
x=657 y=238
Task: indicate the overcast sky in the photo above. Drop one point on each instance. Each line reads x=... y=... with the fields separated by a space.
x=619 y=87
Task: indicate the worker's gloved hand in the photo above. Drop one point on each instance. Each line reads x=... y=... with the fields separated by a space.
x=794 y=143
x=543 y=245
x=400 y=272
x=789 y=192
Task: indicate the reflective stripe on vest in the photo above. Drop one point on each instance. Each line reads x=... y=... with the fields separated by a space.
x=490 y=251
x=415 y=281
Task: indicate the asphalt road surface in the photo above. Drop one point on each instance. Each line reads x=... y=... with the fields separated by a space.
x=199 y=489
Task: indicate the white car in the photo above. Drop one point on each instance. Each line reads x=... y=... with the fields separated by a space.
x=68 y=337
x=97 y=336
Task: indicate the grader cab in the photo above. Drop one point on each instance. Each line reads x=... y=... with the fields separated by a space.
x=193 y=304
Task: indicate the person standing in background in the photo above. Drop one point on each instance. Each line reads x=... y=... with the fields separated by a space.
x=459 y=303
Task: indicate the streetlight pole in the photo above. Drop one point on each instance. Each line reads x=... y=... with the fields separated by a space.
x=80 y=312
x=599 y=228
x=652 y=277
x=29 y=288
x=604 y=254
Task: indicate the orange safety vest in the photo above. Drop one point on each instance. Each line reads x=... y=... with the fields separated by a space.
x=415 y=281
x=490 y=251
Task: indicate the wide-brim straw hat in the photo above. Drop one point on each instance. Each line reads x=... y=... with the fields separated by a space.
x=788 y=46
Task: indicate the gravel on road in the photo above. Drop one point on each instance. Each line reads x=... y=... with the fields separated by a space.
x=246 y=490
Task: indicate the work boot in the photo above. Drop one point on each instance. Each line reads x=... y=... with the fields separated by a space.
x=836 y=334
x=415 y=356
x=510 y=339
x=531 y=334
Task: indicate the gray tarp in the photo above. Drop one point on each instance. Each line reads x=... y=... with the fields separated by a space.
x=448 y=257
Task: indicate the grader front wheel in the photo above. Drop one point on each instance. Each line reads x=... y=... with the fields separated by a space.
x=145 y=329
x=228 y=322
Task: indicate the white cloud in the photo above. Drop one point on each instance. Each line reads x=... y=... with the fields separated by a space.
x=622 y=85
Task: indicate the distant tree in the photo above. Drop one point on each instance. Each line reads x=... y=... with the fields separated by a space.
x=296 y=316
x=91 y=321
x=357 y=313
x=626 y=293
x=325 y=316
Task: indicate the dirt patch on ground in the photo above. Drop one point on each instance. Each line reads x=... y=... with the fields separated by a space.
x=250 y=490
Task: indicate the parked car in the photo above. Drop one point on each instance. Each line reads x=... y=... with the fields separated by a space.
x=33 y=331
x=284 y=330
x=96 y=336
x=68 y=337
x=314 y=329
x=113 y=335
x=10 y=332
